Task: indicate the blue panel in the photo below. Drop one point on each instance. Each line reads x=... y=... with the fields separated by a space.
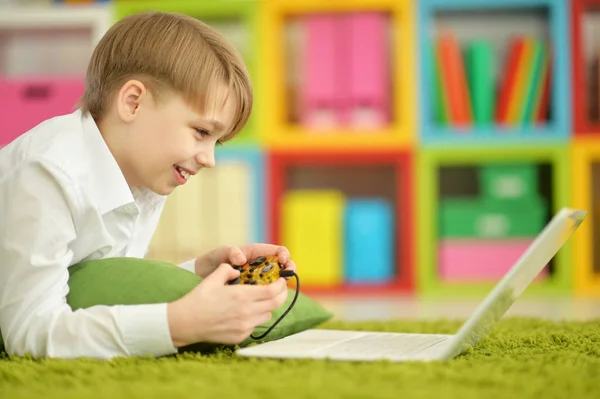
x=368 y=241
x=253 y=157
x=557 y=130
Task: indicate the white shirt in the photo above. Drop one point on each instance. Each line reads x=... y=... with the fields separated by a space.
x=63 y=200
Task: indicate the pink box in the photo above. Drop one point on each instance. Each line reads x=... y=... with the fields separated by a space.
x=25 y=102
x=366 y=97
x=470 y=260
x=320 y=90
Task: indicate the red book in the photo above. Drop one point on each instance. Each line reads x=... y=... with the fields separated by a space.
x=508 y=85
x=542 y=111
x=454 y=80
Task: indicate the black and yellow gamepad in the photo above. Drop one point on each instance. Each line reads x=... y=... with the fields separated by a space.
x=262 y=271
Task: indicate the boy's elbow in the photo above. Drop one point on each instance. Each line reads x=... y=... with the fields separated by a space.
x=24 y=341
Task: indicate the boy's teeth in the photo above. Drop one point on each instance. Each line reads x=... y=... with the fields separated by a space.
x=183 y=173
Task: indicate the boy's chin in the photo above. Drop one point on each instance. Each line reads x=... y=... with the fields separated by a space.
x=161 y=188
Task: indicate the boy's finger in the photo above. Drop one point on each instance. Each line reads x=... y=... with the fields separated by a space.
x=253 y=251
x=262 y=292
x=236 y=256
x=268 y=305
x=283 y=254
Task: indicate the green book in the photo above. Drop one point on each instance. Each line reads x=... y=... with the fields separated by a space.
x=508 y=182
x=476 y=218
x=480 y=68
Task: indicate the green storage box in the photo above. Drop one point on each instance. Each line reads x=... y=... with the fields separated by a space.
x=466 y=218
x=509 y=182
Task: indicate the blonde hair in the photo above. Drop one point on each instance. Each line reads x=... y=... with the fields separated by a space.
x=168 y=52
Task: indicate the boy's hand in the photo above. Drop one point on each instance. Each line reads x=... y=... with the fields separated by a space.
x=227 y=314
x=207 y=263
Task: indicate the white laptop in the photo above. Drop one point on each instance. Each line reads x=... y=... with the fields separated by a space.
x=370 y=346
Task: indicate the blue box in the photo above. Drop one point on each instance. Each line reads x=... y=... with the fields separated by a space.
x=368 y=241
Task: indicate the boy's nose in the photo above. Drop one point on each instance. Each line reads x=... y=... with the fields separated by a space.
x=206 y=159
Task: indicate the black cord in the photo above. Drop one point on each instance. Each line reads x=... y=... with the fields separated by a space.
x=283 y=273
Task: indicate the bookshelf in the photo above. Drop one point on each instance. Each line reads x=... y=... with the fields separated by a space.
x=476 y=31
x=43 y=58
x=586 y=195
x=285 y=22
x=585 y=16
x=451 y=176
x=341 y=177
x=417 y=162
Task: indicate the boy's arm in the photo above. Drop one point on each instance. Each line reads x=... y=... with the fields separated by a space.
x=36 y=228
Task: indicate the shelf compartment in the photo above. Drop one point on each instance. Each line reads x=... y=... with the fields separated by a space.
x=485 y=24
x=376 y=177
x=280 y=32
x=586 y=195
x=451 y=175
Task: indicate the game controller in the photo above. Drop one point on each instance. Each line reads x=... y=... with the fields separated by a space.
x=262 y=271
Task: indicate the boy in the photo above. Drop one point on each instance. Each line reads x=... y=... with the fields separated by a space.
x=161 y=91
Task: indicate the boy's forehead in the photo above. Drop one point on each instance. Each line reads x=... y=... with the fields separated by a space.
x=220 y=115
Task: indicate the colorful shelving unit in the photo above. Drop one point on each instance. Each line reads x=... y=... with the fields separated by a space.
x=44 y=55
x=473 y=22
x=586 y=195
x=496 y=209
x=283 y=95
x=314 y=202
x=432 y=200
x=585 y=15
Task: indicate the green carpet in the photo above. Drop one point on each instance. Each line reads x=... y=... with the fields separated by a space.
x=521 y=358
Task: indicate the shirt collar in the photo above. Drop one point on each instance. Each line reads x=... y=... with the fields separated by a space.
x=107 y=182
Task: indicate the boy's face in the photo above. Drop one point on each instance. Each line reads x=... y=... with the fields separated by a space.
x=168 y=142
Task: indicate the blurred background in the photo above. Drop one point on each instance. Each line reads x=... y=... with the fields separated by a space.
x=406 y=152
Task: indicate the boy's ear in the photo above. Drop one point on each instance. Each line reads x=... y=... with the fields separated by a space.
x=131 y=96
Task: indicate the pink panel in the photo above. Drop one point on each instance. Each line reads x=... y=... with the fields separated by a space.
x=366 y=49
x=24 y=103
x=319 y=104
x=467 y=260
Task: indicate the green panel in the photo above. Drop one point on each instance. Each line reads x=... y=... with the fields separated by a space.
x=461 y=218
x=428 y=283
x=218 y=14
x=515 y=182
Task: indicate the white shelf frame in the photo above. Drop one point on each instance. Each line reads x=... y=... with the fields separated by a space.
x=96 y=16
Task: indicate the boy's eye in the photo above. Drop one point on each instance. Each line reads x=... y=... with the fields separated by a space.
x=201 y=132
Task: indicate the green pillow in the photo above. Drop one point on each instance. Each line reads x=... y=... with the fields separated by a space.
x=131 y=281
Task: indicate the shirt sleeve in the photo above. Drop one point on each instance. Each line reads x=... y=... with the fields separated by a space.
x=36 y=230
x=189 y=265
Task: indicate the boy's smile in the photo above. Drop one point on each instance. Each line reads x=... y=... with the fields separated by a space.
x=182 y=175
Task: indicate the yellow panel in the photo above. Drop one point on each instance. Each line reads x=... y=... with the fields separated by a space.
x=278 y=134
x=312 y=231
x=585 y=152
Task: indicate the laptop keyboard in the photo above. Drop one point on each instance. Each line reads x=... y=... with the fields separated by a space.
x=376 y=345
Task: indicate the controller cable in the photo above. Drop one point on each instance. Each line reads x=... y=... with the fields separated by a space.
x=286 y=274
